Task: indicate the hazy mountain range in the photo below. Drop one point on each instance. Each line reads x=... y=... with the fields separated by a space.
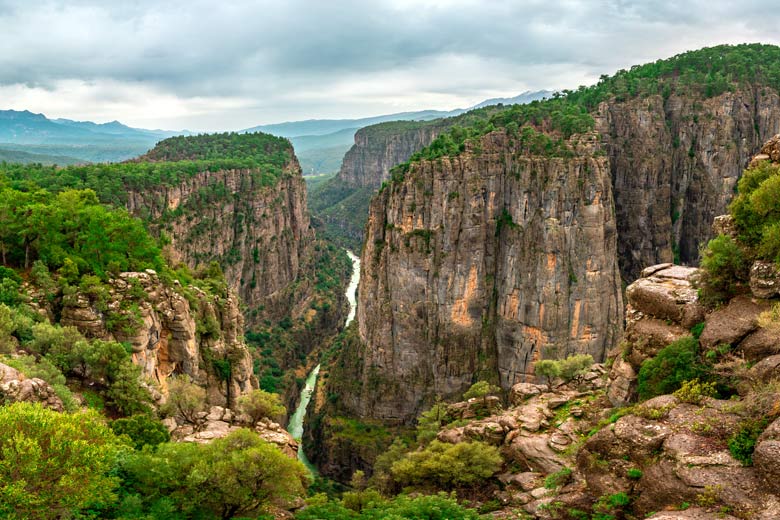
x=319 y=143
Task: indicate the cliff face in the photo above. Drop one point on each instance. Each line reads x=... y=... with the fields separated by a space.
x=259 y=234
x=675 y=163
x=477 y=266
x=168 y=334
x=380 y=147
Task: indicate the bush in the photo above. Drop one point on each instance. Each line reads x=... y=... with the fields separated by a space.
x=259 y=403
x=567 y=369
x=447 y=466
x=142 y=430
x=54 y=465
x=723 y=269
x=185 y=399
x=694 y=391
x=667 y=371
x=429 y=423
x=743 y=442
x=557 y=479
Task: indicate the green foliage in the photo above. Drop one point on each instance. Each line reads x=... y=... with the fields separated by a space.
x=236 y=476
x=447 y=466
x=567 y=369
x=743 y=442
x=185 y=399
x=53 y=465
x=558 y=479
x=695 y=391
x=172 y=161
x=667 y=371
x=73 y=233
x=419 y=507
x=723 y=269
x=259 y=403
x=142 y=430
x=697 y=329
x=480 y=389
x=429 y=422
x=548 y=369
x=608 y=507
x=634 y=473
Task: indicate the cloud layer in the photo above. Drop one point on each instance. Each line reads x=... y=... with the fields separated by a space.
x=229 y=65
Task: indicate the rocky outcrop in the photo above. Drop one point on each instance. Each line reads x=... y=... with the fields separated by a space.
x=675 y=162
x=220 y=422
x=16 y=387
x=378 y=148
x=259 y=233
x=479 y=265
x=170 y=334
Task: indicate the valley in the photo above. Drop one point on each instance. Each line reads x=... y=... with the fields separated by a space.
x=552 y=309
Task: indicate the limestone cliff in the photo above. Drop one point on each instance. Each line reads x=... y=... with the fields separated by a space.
x=171 y=330
x=259 y=233
x=675 y=163
x=479 y=265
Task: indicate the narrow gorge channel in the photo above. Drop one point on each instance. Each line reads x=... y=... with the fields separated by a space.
x=295 y=426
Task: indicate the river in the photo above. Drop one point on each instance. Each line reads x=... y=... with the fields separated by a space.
x=295 y=426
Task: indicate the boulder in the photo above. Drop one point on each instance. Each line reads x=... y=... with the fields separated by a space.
x=762 y=343
x=767 y=369
x=523 y=391
x=534 y=452
x=622 y=382
x=16 y=387
x=730 y=324
x=648 y=336
x=764 y=279
x=724 y=225
x=667 y=294
x=766 y=457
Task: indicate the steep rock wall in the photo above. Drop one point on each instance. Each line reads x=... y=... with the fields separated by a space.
x=259 y=234
x=169 y=335
x=376 y=150
x=479 y=265
x=675 y=163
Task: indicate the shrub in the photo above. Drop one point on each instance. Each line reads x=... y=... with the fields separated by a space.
x=548 y=369
x=259 y=403
x=743 y=442
x=666 y=372
x=185 y=399
x=429 y=423
x=448 y=465
x=723 y=269
x=54 y=465
x=557 y=479
x=142 y=430
x=694 y=391
x=567 y=369
x=634 y=473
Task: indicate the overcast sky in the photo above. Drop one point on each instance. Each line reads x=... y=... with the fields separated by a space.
x=211 y=65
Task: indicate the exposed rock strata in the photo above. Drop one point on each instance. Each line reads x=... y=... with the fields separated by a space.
x=164 y=334
x=259 y=234
x=479 y=265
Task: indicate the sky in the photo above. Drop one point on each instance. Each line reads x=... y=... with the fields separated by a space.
x=229 y=65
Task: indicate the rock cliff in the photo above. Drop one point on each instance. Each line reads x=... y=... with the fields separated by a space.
x=675 y=163
x=479 y=265
x=171 y=330
x=259 y=234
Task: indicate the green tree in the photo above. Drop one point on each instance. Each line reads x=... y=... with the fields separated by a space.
x=238 y=475
x=54 y=465
x=142 y=430
x=548 y=369
x=445 y=466
x=185 y=399
x=259 y=403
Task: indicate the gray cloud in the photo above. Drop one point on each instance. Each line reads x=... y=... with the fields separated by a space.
x=212 y=65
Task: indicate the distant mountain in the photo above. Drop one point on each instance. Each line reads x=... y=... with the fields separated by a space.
x=320 y=144
x=16 y=156
x=77 y=141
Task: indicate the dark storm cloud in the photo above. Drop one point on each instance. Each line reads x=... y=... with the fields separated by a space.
x=275 y=58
